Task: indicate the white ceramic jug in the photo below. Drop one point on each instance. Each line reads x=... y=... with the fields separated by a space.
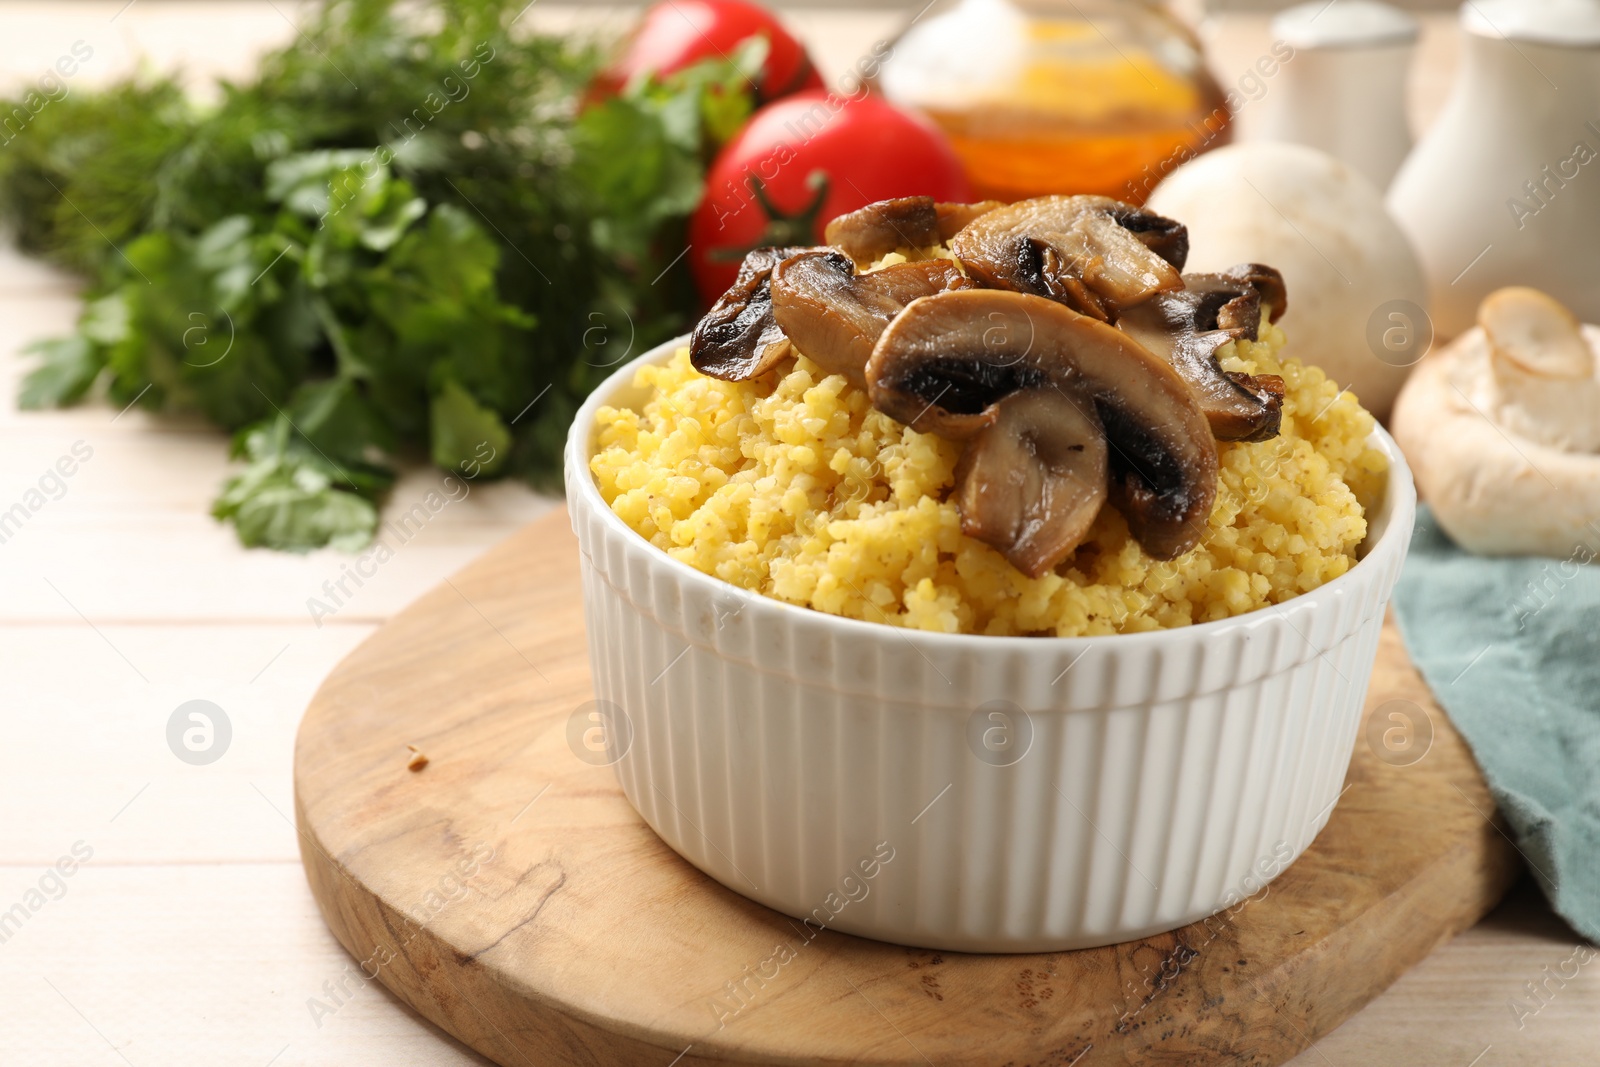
x=1505 y=188
x=1345 y=89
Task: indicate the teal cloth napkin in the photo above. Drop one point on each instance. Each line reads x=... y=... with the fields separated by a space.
x=1511 y=650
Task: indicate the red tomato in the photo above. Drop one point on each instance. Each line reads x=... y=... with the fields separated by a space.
x=804 y=160
x=678 y=33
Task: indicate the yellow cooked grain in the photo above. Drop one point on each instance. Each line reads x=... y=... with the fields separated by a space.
x=794 y=486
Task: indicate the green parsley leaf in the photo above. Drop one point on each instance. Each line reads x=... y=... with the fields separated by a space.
x=466 y=435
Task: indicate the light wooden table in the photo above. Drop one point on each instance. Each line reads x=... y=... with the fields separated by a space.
x=189 y=936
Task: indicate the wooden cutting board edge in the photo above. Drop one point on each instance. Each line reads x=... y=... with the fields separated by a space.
x=1299 y=997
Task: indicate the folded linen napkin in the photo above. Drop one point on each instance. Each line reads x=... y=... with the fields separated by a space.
x=1511 y=650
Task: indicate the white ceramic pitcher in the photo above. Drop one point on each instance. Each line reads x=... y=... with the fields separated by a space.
x=1345 y=90
x=1505 y=188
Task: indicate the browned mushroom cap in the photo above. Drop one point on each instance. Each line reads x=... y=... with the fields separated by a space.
x=909 y=222
x=953 y=218
x=1032 y=483
x=834 y=315
x=737 y=338
x=1094 y=254
x=1268 y=283
x=946 y=360
x=1167 y=238
x=1187 y=328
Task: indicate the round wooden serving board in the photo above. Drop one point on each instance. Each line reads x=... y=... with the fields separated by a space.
x=508 y=892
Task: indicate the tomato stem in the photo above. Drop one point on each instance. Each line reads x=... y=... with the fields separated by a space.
x=782 y=228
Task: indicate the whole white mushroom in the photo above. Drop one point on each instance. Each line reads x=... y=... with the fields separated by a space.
x=1357 y=299
x=1502 y=430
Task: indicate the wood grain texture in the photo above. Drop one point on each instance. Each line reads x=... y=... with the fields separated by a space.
x=509 y=893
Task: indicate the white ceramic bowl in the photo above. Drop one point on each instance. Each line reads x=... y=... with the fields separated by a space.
x=984 y=794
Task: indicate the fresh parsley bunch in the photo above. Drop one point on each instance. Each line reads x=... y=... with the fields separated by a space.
x=409 y=236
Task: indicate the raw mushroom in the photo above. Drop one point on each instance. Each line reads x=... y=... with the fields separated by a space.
x=1344 y=257
x=1032 y=482
x=1535 y=333
x=908 y=223
x=1188 y=327
x=738 y=339
x=834 y=315
x=1542 y=370
x=1502 y=430
x=946 y=360
x=1096 y=255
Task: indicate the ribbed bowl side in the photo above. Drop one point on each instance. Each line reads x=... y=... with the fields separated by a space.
x=832 y=769
x=779 y=777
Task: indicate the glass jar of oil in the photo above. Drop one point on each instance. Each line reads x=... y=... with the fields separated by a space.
x=1060 y=96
